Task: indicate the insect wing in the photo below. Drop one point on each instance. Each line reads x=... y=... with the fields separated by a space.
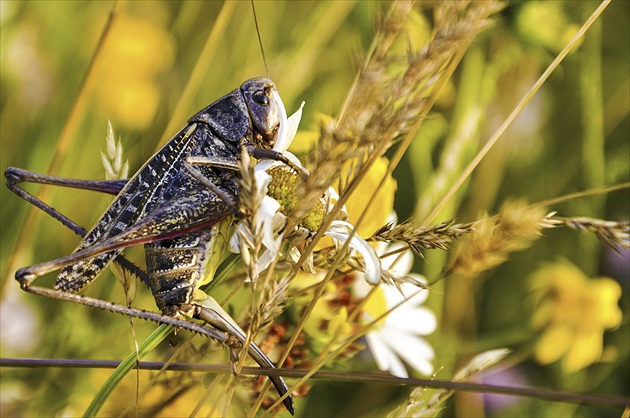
x=137 y=198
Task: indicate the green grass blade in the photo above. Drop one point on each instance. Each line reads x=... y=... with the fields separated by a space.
x=149 y=345
x=125 y=367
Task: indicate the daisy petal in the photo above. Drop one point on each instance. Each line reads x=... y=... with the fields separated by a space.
x=413 y=321
x=384 y=356
x=340 y=231
x=414 y=351
x=379 y=350
x=282 y=140
x=403 y=262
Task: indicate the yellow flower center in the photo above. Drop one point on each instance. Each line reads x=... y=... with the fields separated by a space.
x=284 y=188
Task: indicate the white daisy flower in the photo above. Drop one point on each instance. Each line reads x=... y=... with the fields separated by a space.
x=398 y=336
x=268 y=220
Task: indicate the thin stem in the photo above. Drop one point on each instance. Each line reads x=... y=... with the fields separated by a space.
x=540 y=393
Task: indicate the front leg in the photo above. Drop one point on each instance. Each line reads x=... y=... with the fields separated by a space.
x=227 y=198
x=269 y=154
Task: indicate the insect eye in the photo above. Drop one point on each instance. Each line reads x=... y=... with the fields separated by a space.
x=261 y=98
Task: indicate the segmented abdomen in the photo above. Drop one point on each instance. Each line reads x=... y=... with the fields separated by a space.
x=175 y=266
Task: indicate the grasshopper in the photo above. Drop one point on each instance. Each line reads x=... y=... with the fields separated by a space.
x=172 y=205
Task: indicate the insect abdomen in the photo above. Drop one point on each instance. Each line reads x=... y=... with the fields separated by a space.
x=175 y=266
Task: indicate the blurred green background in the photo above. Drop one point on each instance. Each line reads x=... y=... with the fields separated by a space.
x=163 y=61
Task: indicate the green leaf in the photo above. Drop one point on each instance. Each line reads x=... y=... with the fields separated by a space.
x=125 y=367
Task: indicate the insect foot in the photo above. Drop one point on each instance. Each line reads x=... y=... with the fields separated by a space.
x=25 y=277
x=216 y=317
x=12 y=176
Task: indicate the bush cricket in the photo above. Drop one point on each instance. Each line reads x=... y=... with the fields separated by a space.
x=171 y=205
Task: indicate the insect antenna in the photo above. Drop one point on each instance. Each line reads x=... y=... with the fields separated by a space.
x=262 y=50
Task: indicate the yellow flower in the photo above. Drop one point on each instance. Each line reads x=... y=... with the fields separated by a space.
x=573 y=311
x=135 y=54
x=329 y=318
x=379 y=207
x=546 y=23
